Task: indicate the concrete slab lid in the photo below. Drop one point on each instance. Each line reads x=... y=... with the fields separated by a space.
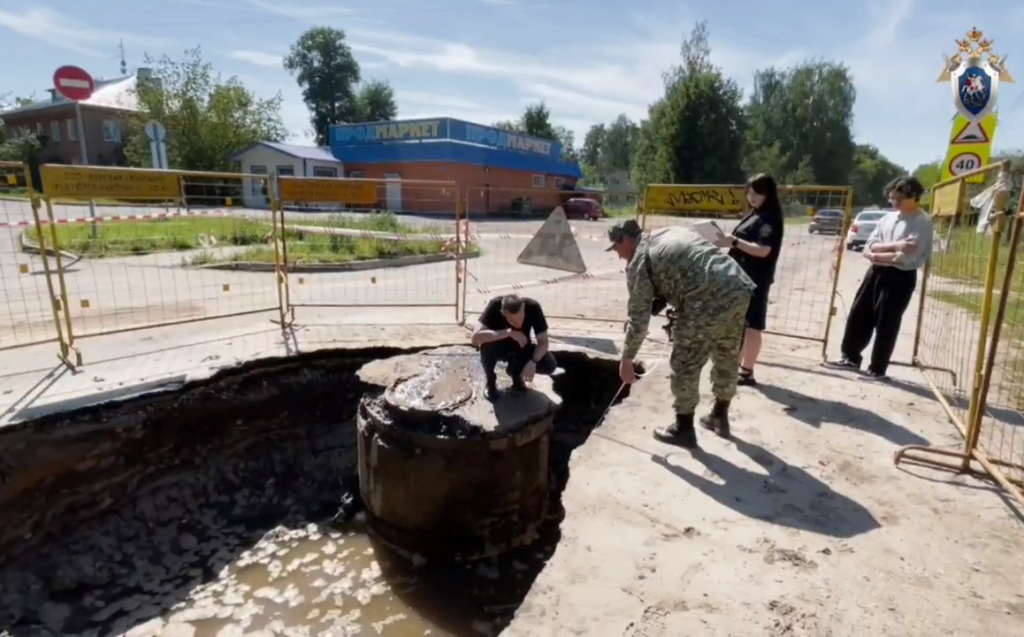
x=450 y=380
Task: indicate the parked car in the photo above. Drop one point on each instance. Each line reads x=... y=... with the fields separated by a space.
x=862 y=227
x=827 y=222
x=582 y=208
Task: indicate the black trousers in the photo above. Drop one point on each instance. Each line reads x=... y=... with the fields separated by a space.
x=517 y=357
x=878 y=308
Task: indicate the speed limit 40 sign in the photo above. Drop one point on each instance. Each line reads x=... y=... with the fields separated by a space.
x=964 y=163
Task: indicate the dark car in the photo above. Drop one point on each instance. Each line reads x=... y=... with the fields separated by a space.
x=580 y=208
x=827 y=222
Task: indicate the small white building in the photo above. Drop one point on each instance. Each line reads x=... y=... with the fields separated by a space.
x=289 y=160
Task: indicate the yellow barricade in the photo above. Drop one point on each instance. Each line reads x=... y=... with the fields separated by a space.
x=561 y=263
x=969 y=338
x=30 y=300
x=373 y=244
x=809 y=277
x=138 y=248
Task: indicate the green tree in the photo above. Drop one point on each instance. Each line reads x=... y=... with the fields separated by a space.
x=328 y=75
x=694 y=134
x=567 y=139
x=376 y=102
x=593 y=145
x=19 y=147
x=536 y=121
x=207 y=118
x=871 y=172
x=799 y=123
x=508 y=125
x=929 y=174
x=619 y=142
x=644 y=167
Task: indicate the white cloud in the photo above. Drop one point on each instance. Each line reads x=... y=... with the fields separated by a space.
x=437 y=101
x=297 y=11
x=894 y=58
x=258 y=58
x=44 y=24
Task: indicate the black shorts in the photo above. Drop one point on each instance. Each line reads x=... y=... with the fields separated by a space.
x=757 y=311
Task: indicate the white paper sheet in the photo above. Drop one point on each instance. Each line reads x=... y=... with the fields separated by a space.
x=708 y=229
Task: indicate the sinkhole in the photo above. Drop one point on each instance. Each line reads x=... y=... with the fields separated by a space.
x=214 y=509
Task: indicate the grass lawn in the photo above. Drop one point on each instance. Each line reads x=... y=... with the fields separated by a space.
x=324 y=249
x=133 y=238
x=373 y=222
x=966 y=258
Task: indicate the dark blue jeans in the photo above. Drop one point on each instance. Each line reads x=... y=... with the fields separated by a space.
x=517 y=357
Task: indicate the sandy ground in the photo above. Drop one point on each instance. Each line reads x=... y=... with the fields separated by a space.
x=801 y=525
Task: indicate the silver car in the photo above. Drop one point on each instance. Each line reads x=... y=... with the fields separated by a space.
x=862 y=227
x=827 y=222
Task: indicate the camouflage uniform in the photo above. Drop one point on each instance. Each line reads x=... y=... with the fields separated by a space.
x=710 y=293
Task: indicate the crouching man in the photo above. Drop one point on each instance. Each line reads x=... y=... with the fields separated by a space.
x=503 y=333
x=710 y=294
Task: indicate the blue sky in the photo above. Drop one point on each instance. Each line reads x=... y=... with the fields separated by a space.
x=484 y=60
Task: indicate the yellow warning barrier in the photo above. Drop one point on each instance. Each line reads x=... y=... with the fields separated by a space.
x=947 y=199
x=71 y=182
x=345 y=243
x=137 y=248
x=30 y=300
x=323 y=190
x=561 y=262
x=669 y=199
x=969 y=338
x=802 y=299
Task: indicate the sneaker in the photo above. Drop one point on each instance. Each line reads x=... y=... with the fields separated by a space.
x=842 y=363
x=875 y=376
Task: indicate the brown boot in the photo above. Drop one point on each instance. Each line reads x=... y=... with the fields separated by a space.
x=680 y=433
x=718 y=420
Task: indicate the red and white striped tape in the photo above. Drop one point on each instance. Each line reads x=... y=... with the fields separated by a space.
x=115 y=218
x=566 y=278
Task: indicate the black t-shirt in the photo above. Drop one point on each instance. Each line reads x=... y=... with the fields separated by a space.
x=763 y=227
x=533 y=319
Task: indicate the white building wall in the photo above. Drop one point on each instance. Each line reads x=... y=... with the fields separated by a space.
x=263 y=160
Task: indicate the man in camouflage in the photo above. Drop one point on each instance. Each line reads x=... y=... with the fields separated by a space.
x=710 y=294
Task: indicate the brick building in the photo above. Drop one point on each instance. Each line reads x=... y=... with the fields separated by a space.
x=496 y=171
x=103 y=114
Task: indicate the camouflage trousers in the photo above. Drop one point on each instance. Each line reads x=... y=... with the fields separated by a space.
x=711 y=329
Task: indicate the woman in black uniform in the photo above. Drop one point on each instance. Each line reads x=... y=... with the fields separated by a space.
x=755 y=244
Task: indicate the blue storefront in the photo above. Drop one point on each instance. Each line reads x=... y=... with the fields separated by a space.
x=493 y=167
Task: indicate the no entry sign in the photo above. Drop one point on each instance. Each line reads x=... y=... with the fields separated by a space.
x=73 y=83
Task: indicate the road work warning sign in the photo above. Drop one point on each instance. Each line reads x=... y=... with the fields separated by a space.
x=554 y=246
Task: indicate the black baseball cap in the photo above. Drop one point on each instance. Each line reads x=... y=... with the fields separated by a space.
x=622 y=230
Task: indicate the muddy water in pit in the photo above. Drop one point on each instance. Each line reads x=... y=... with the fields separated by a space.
x=206 y=512
x=320 y=580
